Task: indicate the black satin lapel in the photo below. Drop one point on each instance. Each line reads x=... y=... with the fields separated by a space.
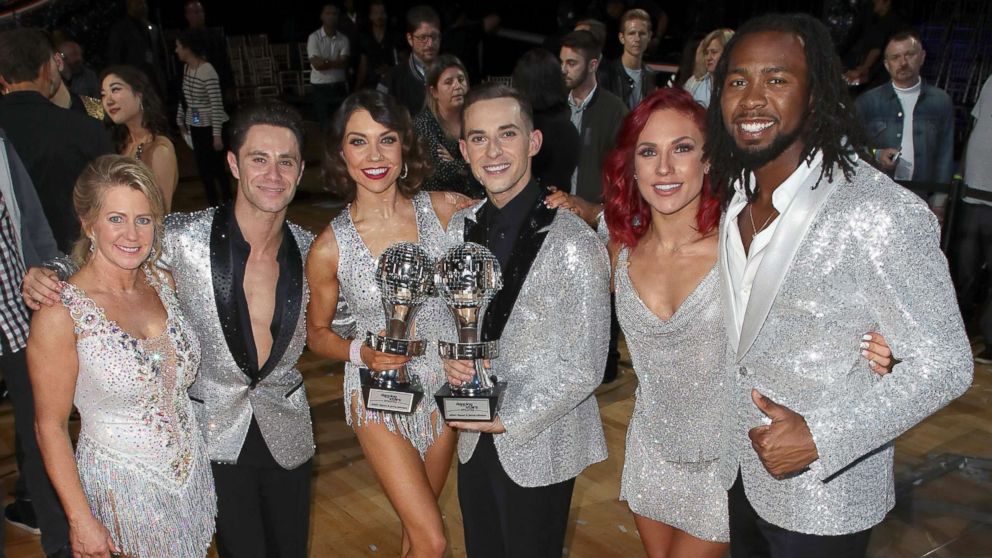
x=222 y=275
x=474 y=233
x=291 y=310
x=525 y=250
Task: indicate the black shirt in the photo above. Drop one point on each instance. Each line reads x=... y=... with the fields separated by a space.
x=55 y=144
x=255 y=452
x=555 y=162
x=502 y=225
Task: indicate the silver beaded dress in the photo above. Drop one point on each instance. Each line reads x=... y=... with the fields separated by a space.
x=356 y=276
x=141 y=457
x=671 y=471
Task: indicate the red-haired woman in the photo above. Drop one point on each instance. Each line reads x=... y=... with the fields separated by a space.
x=663 y=214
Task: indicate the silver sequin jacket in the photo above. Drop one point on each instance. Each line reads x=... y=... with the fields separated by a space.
x=552 y=354
x=849 y=256
x=222 y=396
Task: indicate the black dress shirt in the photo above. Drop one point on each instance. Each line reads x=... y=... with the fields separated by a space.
x=55 y=144
x=255 y=452
x=502 y=225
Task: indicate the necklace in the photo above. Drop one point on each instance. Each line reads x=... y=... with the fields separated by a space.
x=141 y=149
x=755 y=230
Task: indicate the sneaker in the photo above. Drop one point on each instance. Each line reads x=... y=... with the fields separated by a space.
x=20 y=514
x=984 y=357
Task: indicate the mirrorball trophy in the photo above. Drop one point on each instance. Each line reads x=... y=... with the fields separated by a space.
x=404 y=275
x=468 y=277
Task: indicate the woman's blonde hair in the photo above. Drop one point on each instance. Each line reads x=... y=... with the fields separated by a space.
x=723 y=35
x=102 y=174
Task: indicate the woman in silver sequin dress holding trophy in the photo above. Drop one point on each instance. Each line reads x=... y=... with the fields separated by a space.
x=377 y=255
x=663 y=215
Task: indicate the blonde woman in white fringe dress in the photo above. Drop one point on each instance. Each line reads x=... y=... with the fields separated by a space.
x=120 y=349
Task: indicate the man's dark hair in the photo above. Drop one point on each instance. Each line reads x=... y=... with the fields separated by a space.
x=23 y=51
x=271 y=112
x=418 y=15
x=831 y=125
x=597 y=28
x=904 y=35
x=490 y=91
x=537 y=76
x=196 y=41
x=584 y=42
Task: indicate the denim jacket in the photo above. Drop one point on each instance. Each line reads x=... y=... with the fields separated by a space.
x=933 y=128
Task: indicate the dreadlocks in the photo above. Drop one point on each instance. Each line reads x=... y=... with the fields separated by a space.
x=831 y=125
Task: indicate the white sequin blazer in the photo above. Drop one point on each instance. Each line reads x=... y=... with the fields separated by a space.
x=847 y=257
x=224 y=395
x=552 y=348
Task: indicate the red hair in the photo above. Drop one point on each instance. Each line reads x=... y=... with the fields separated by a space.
x=627 y=214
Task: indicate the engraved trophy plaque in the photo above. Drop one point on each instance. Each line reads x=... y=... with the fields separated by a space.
x=404 y=275
x=468 y=277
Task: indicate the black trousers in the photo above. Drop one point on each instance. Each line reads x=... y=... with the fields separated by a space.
x=753 y=537
x=262 y=512
x=505 y=520
x=47 y=507
x=975 y=250
x=210 y=163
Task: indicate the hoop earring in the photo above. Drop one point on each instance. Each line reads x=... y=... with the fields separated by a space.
x=406 y=171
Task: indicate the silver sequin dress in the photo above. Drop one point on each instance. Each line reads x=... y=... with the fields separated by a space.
x=141 y=458
x=671 y=472
x=356 y=272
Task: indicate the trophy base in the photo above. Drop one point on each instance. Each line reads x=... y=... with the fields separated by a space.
x=480 y=407
x=387 y=396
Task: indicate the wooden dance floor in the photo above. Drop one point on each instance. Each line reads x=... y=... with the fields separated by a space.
x=948 y=513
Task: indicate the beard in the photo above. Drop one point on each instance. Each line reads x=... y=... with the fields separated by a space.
x=756 y=158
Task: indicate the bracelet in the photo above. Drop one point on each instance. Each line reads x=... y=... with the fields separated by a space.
x=355 y=352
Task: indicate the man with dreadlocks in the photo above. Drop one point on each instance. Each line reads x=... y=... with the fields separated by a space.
x=829 y=247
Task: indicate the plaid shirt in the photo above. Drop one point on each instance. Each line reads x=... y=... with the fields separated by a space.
x=14 y=317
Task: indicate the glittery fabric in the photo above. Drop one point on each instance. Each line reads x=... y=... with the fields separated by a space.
x=870 y=260
x=552 y=354
x=223 y=397
x=670 y=472
x=356 y=274
x=141 y=458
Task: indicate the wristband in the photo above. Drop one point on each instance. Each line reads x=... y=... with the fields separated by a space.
x=355 y=352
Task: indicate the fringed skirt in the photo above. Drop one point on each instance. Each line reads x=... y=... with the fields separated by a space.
x=420 y=427
x=148 y=516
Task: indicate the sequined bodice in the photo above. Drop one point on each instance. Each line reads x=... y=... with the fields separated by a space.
x=131 y=392
x=356 y=275
x=679 y=364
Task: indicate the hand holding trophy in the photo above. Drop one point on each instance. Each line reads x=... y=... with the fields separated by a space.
x=468 y=277
x=404 y=275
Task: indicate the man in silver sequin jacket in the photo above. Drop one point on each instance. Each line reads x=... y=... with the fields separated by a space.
x=818 y=246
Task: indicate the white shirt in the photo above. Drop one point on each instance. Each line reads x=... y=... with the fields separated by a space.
x=743 y=267
x=331 y=48
x=577 y=110
x=978 y=157
x=700 y=89
x=907 y=98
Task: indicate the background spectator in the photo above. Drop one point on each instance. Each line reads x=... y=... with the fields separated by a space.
x=328 y=51
x=708 y=52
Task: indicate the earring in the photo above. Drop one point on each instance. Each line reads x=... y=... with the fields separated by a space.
x=92 y=244
x=406 y=171
x=141 y=106
x=151 y=254
x=635 y=178
x=635 y=221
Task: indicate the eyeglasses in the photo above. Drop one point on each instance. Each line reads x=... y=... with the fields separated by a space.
x=427 y=38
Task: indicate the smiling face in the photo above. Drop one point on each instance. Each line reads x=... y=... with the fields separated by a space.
x=120 y=102
x=124 y=228
x=712 y=54
x=268 y=168
x=451 y=88
x=668 y=162
x=498 y=145
x=372 y=152
x=635 y=37
x=766 y=96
